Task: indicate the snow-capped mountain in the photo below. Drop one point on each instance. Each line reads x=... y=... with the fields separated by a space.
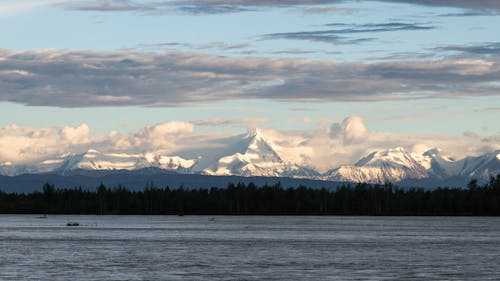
x=256 y=156
x=439 y=165
x=247 y=155
x=398 y=164
x=481 y=167
x=50 y=165
x=171 y=163
x=253 y=154
x=9 y=169
x=96 y=160
x=388 y=165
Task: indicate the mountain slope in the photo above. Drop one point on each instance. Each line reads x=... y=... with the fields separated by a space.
x=387 y=165
x=253 y=155
x=482 y=167
x=95 y=160
x=439 y=165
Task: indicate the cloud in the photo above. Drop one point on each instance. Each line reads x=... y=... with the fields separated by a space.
x=197 y=7
x=202 y=8
x=346 y=142
x=75 y=135
x=107 y=5
x=326 y=36
x=476 y=4
x=157 y=7
x=88 y=79
x=492 y=108
x=351 y=130
x=422 y=116
x=342 y=143
x=492 y=139
x=322 y=10
x=224 y=46
x=300 y=109
x=220 y=122
x=338 y=35
x=232 y=6
x=21 y=144
x=160 y=136
x=491 y=48
x=329 y=10
x=10 y=8
x=472 y=13
x=470 y=134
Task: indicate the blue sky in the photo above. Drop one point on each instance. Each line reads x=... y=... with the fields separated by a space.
x=123 y=65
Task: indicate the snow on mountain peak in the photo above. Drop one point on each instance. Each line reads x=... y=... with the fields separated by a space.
x=253 y=155
x=433 y=152
x=394 y=156
x=253 y=133
x=393 y=164
x=95 y=160
x=498 y=156
x=93 y=151
x=169 y=162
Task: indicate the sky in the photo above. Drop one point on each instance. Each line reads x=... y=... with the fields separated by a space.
x=327 y=81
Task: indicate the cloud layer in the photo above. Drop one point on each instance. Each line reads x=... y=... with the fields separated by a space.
x=195 y=7
x=86 y=79
x=231 y=6
x=327 y=147
x=340 y=35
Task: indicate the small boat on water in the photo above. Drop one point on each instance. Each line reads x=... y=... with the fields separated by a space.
x=72 y=223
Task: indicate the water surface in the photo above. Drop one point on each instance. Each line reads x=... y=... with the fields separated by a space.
x=249 y=248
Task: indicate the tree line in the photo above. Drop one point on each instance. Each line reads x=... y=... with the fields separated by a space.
x=248 y=199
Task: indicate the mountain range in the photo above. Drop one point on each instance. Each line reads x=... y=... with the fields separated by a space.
x=252 y=155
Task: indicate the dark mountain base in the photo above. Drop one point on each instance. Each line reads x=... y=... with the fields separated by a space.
x=248 y=199
x=140 y=179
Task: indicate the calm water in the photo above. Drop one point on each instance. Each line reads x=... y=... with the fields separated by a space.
x=249 y=248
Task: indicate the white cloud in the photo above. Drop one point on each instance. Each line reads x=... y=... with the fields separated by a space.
x=351 y=130
x=153 y=137
x=10 y=8
x=21 y=145
x=341 y=143
x=75 y=135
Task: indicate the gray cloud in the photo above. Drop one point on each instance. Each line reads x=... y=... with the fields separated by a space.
x=233 y=6
x=492 y=108
x=211 y=9
x=86 y=79
x=470 y=4
x=338 y=36
x=491 y=48
x=224 y=46
x=470 y=134
x=107 y=5
x=300 y=109
x=472 y=13
x=237 y=121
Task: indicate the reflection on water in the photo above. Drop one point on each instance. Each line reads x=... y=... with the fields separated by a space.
x=248 y=248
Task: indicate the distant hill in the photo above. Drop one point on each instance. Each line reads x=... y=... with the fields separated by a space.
x=140 y=179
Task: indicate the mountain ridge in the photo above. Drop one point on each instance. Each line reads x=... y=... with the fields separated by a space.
x=252 y=154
